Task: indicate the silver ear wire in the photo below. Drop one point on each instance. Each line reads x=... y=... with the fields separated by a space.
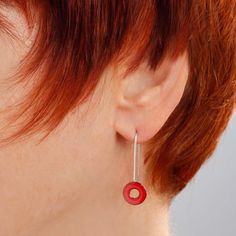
x=135 y=184
x=136 y=158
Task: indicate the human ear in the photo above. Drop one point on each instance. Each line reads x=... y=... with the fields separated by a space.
x=146 y=98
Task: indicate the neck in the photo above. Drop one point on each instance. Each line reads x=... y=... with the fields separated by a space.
x=116 y=218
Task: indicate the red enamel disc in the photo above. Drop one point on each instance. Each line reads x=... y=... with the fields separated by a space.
x=134 y=200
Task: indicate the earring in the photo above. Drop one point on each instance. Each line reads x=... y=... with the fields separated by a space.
x=135 y=184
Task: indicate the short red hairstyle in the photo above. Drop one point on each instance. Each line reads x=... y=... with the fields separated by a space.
x=77 y=39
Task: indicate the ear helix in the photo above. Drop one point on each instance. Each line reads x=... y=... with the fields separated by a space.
x=135 y=184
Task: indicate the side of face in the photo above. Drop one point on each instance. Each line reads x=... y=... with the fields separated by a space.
x=87 y=160
x=75 y=165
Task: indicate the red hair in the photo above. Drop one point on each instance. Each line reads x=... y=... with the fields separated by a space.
x=77 y=39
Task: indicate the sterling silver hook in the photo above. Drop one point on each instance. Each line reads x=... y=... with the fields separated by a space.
x=136 y=158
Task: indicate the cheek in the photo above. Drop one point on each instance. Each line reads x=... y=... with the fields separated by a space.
x=41 y=182
x=72 y=168
x=35 y=188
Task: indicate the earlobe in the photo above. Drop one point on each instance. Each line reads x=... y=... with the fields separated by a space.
x=145 y=99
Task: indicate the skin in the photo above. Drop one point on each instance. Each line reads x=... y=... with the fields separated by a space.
x=71 y=184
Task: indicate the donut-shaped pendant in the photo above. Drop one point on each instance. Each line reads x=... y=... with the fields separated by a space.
x=134 y=200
